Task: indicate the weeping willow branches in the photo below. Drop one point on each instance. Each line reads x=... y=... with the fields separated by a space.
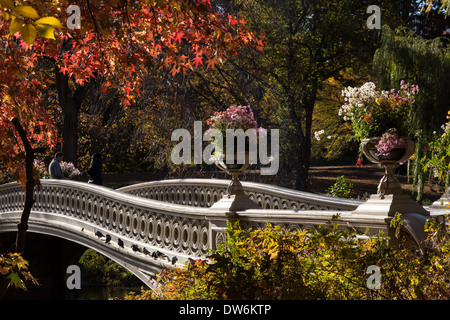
x=405 y=55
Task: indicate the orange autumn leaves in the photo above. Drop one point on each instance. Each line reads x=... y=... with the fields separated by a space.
x=117 y=43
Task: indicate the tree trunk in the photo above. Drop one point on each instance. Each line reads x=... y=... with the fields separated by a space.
x=70 y=103
x=70 y=131
x=70 y=113
x=29 y=187
x=303 y=152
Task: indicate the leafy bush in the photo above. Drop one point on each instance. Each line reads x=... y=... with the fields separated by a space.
x=340 y=188
x=101 y=270
x=322 y=263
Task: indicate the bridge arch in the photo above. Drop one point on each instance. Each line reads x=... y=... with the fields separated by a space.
x=179 y=228
x=76 y=211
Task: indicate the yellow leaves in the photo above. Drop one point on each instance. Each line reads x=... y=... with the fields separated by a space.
x=15 y=26
x=15 y=267
x=273 y=254
x=6 y=98
x=272 y=248
x=429 y=5
x=6 y=15
x=21 y=20
x=50 y=21
x=46 y=31
x=25 y=11
x=438 y=265
x=28 y=32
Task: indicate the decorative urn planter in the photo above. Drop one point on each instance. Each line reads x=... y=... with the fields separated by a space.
x=239 y=120
x=389 y=184
x=390 y=198
x=235 y=199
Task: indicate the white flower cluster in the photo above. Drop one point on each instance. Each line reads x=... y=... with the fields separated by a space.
x=445 y=127
x=356 y=98
x=317 y=134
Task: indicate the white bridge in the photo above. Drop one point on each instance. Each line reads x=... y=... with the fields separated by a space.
x=150 y=226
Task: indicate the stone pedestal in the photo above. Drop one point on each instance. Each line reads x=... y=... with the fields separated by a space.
x=388 y=205
x=390 y=199
x=443 y=203
x=235 y=199
x=232 y=203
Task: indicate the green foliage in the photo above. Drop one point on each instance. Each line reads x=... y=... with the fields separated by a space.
x=437 y=160
x=15 y=268
x=102 y=270
x=405 y=55
x=340 y=188
x=322 y=263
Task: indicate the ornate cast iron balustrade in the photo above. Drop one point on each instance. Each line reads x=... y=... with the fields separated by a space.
x=177 y=228
x=76 y=211
x=205 y=192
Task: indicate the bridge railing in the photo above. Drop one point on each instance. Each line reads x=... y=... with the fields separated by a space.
x=182 y=231
x=187 y=230
x=205 y=192
x=164 y=225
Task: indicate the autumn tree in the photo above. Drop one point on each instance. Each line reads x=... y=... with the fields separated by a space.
x=116 y=43
x=137 y=138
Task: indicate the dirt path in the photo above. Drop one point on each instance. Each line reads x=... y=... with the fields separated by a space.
x=364 y=179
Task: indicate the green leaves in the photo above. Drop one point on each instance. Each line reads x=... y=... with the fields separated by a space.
x=340 y=189
x=16 y=281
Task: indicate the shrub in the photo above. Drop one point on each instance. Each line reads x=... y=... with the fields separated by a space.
x=321 y=263
x=340 y=188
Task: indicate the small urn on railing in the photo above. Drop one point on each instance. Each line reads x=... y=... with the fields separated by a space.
x=235 y=198
x=238 y=118
x=400 y=153
x=390 y=198
x=235 y=169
